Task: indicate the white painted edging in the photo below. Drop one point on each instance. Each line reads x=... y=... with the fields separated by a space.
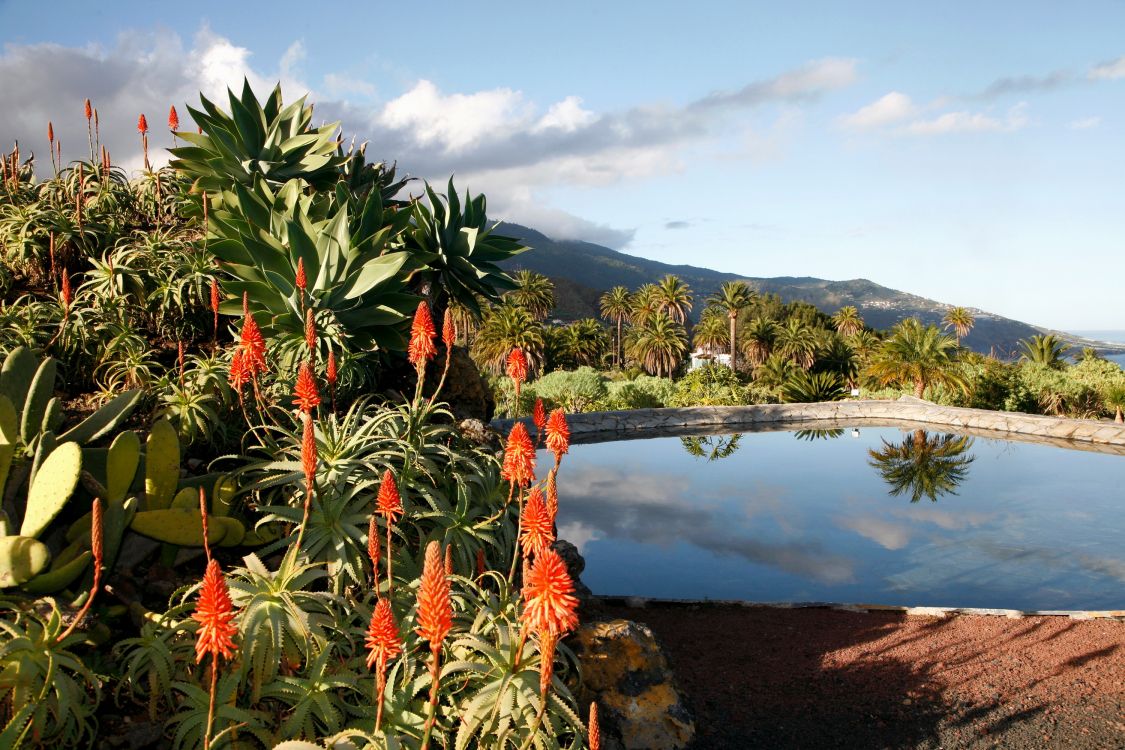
x=638 y=602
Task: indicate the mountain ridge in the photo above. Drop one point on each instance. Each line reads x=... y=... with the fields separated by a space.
x=583 y=270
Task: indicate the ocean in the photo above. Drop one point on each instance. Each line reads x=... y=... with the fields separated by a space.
x=1114 y=336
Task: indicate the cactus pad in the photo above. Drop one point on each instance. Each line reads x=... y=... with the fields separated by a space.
x=52 y=487
x=162 y=465
x=21 y=559
x=121 y=465
x=58 y=578
x=182 y=527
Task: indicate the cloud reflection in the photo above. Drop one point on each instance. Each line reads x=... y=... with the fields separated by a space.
x=667 y=509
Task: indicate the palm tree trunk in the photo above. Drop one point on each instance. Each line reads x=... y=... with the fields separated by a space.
x=919 y=388
x=620 y=350
x=1120 y=418
x=733 y=349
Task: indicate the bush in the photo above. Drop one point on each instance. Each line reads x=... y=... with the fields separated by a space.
x=710 y=385
x=574 y=391
x=646 y=392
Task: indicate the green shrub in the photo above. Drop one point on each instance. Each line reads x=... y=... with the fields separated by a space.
x=710 y=385
x=646 y=392
x=578 y=390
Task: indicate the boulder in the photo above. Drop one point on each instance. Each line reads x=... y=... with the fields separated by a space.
x=575 y=564
x=466 y=391
x=625 y=671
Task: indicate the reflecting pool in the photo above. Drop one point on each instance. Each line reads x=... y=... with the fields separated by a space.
x=876 y=515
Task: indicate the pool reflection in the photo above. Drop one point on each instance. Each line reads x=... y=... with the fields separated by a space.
x=923 y=465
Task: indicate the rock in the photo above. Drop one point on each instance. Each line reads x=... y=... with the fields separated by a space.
x=475 y=431
x=466 y=391
x=575 y=564
x=624 y=670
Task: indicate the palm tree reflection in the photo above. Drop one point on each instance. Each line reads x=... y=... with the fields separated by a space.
x=811 y=435
x=711 y=447
x=924 y=465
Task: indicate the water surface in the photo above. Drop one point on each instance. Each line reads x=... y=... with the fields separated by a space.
x=888 y=517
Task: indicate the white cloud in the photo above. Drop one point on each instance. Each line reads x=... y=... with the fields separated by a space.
x=497 y=139
x=1108 y=70
x=970 y=122
x=886 y=534
x=889 y=108
x=1085 y=123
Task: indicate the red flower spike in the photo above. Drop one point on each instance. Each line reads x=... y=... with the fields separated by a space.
x=448 y=330
x=449 y=559
x=245 y=295
x=50 y=132
x=302 y=279
x=539 y=417
x=593 y=731
x=173 y=119
x=306 y=397
x=309 y=453
x=519 y=457
x=388 y=500
x=253 y=346
x=65 y=292
x=239 y=376
x=435 y=610
x=142 y=124
x=310 y=331
x=89 y=110
x=421 y=348
x=331 y=370
x=558 y=434
x=536 y=528
x=214 y=613
x=517 y=366
x=482 y=568
x=383 y=640
x=552 y=495
x=550 y=606
x=546 y=661
x=373 y=543
x=215 y=295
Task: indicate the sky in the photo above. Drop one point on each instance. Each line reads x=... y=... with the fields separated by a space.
x=972 y=153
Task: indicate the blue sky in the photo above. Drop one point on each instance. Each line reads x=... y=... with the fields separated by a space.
x=968 y=152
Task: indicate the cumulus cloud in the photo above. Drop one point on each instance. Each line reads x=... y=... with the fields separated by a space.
x=496 y=140
x=887 y=109
x=1026 y=84
x=1109 y=70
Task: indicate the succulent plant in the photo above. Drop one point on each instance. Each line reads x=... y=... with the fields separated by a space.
x=182 y=527
x=162 y=465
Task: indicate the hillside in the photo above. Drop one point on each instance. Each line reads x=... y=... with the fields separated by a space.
x=583 y=270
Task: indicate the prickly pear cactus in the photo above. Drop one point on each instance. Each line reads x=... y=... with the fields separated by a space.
x=162 y=465
x=8 y=437
x=39 y=394
x=121 y=465
x=58 y=577
x=222 y=495
x=182 y=527
x=51 y=488
x=16 y=375
x=233 y=531
x=188 y=497
x=21 y=559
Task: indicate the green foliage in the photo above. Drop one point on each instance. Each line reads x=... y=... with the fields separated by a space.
x=642 y=392
x=917 y=354
x=572 y=390
x=808 y=387
x=710 y=385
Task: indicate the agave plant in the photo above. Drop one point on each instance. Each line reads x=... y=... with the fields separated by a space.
x=270 y=142
x=460 y=250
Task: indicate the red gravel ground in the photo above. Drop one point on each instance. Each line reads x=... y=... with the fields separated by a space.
x=817 y=678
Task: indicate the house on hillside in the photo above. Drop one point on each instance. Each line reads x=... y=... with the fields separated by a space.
x=702 y=357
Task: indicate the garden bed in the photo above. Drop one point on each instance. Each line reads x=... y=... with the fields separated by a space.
x=768 y=677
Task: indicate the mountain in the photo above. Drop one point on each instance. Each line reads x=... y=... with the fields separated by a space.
x=583 y=270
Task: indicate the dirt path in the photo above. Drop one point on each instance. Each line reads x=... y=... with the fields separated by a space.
x=818 y=678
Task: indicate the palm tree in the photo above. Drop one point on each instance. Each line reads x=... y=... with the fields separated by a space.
x=1114 y=398
x=534 y=292
x=673 y=296
x=734 y=297
x=659 y=345
x=864 y=343
x=758 y=339
x=923 y=465
x=644 y=304
x=960 y=321
x=797 y=343
x=774 y=372
x=918 y=354
x=504 y=328
x=838 y=357
x=847 y=321
x=1043 y=349
x=710 y=333
x=615 y=306
x=584 y=342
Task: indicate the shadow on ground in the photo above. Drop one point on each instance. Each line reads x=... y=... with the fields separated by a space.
x=813 y=678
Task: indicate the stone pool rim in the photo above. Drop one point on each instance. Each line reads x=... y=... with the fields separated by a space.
x=1082 y=434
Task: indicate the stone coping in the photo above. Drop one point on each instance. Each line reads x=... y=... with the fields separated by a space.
x=911 y=413
x=637 y=602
